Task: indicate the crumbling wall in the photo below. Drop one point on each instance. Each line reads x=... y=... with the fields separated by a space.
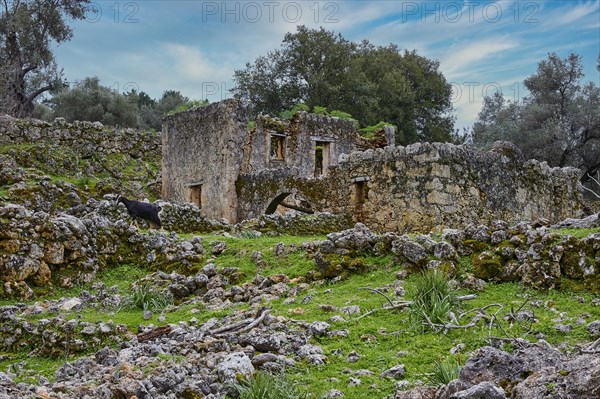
x=90 y=139
x=202 y=153
x=427 y=186
x=430 y=186
x=51 y=166
x=301 y=138
x=417 y=188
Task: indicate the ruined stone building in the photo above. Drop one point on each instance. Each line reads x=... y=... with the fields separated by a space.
x=211 y=159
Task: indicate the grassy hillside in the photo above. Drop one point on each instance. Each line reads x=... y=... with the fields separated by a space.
x=381 y=340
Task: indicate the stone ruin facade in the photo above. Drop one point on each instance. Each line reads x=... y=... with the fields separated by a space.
x=316 y=163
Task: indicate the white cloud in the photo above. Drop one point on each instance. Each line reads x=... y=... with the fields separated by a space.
x=460 y=60
x=191 y=64
x=566 y=16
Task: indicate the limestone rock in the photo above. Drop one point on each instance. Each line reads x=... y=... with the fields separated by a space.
x=234 y=364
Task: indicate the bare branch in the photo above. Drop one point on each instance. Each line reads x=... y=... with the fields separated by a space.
x=595 y=180
x=590 y=190
x=376 y=291
x=242 y=326
x=393 y=307
x=467 y=297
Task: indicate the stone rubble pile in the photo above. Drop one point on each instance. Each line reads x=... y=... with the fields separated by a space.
x=33 y=244
x=532 y=371
x=537 y=257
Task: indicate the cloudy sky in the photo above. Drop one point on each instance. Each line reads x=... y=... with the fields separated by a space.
x=194 y=46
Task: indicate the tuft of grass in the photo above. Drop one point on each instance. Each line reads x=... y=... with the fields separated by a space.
x=434 y=300
x=250 y=234
x=267 y=386
x=444 y=371
x=146 y=297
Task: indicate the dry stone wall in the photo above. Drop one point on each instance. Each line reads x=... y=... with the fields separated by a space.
x=89 y=138
x=431 y=186
x=54 y=166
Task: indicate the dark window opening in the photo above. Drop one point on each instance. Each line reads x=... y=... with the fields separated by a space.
x=361 y=196
x=361 y=193
x=322 y=156
x=196 y=195
x=278 y=147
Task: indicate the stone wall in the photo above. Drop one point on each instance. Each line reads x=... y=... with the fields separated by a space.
x=202 y=154
x=427 y=186
x=54 y=166
x=309 y=143
x=89 y=139
x=211 y=159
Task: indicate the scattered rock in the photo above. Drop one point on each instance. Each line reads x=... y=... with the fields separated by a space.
x=396 y=372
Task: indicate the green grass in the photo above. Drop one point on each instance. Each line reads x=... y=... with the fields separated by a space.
x=386 y=338
x=434 y=301
x=383 y=339
x=145 y=297
x=28 y=368
x=239 y=254
x=267 y=386
x=577 y=233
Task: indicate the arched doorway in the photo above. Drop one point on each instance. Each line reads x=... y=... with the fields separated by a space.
x=286 y=202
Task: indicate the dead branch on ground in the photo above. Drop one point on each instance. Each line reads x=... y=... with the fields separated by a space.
x=242 y=326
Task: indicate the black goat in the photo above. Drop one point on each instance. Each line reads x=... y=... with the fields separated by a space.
x=144 y=210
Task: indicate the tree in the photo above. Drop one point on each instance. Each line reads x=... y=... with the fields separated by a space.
x=27 y=65
x=88 y=100
x=170 y=100
x=318 y=67
x=152 y=111
x=317 y=62
x=559 y=122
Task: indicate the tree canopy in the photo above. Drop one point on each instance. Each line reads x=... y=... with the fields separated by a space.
x=372 y=83
x=89 y=100
x=559 y=122
x=27 y=65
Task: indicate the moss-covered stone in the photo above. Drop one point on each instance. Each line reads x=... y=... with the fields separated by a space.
x=542 y=275
x=475 y=246
x=574 y=262
x=486 y=265
x=334 y=265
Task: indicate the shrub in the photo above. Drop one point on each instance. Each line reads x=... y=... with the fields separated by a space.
x=445 y=371
x=267 y=386
x=434 y=300
x=369 y=131
x=319 y=110
x=286 y=115
x=146 y=297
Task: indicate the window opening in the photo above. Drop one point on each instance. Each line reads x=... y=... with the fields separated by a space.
x=361 y=196
x=361 y=193
x=322 y=157
x=196 y=195
x=278 y=147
